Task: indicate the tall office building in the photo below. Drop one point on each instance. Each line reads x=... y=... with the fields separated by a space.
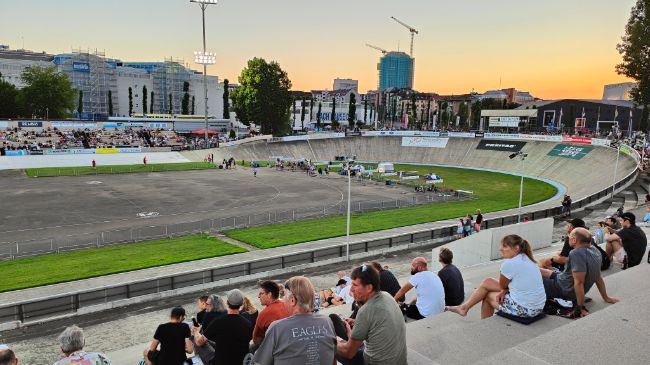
x=396 y=71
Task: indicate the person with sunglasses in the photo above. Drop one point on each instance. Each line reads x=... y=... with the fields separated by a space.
x=303 y=338
x=378 y=334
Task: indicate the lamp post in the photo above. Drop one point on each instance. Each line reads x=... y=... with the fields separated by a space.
x=347 y=234
x=522 y=156
x=205 y=58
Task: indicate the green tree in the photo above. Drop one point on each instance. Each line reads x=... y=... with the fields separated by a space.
x=9 y=97
x=46 y=92
x=463 y=113
x=232 y=134
x=318 y=113
x=428 y=115
x=144 y=99
x=414 y=110
x=130 y=101
x=352 y=111
x=294 y=111
x=151 y=103
x=635 y=50
x=311 y=109
x=302 y=114
x=171 y=106
x=444 y=116
x=476 y=113
x=193 y=105
x=110 y=103
x=226 y=99
x=263 y=96
x=335 y=122
x=80 y=103
x=365 y=111
x=185 y=103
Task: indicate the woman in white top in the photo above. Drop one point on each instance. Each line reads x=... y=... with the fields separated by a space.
x=519 y=290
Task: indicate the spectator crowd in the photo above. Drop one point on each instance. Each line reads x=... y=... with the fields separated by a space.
x=290 y=329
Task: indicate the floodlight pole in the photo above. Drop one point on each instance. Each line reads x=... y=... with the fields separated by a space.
x=347 y=235
x=618 y=154
x=204 y=5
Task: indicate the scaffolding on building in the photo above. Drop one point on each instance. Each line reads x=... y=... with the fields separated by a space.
x=168 y=80
x=93 y=76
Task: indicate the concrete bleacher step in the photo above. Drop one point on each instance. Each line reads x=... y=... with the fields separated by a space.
x=617 y=334
x=451 y=339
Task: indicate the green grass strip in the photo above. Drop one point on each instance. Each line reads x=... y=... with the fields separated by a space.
x=75 y=265
x=492 y=192
x=117 y=169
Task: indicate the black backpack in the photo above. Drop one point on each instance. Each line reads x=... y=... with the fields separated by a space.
x=606 y=262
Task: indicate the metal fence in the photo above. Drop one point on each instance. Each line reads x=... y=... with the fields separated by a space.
x=40 y=246
x=71 y=303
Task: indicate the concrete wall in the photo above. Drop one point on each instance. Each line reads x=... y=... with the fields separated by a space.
x=484 y=246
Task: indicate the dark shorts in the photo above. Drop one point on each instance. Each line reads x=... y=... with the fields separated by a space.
x=552 y=288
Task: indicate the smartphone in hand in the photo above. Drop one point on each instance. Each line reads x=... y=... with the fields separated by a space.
x=196 y=324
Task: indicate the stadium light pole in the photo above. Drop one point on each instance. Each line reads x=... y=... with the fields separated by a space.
x=347 y=234
x=522 y=156
x=205 y=58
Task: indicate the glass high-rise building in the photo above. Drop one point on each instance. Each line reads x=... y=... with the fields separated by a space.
x=396 y=70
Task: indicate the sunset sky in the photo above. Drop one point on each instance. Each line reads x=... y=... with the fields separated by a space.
x=552 y=48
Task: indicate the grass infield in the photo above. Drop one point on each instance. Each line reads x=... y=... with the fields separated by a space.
x=117 y=169
x=492 y=191
x=57 y=268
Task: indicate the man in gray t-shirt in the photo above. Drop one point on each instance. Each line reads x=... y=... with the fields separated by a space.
x=303 y=338
x=379 y=324
x=581 y=272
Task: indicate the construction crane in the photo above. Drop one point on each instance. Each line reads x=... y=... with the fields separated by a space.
x=410 y=28
x=383 y=51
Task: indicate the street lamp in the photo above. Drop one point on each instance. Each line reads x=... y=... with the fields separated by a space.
x=522 y=156
x=205 y=58
x=347 y=234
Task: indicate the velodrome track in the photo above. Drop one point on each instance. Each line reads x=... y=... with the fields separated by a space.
x=594 y=172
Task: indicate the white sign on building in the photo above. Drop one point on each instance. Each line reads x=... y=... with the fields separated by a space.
x=424 y=142
x=509 y=122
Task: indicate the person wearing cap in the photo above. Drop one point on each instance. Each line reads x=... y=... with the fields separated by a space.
x=7 y=356
x=303 y=337
x=558 y=261
x=342 y=276
x=344 y=294
x=630 y=241
x=581 y=272
x=230 y=334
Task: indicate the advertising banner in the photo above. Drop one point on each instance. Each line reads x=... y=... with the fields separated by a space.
x=424 y=142
x=576 y=140
x=81 y=67
x=30 y=124
x=569 y=151
x=461 y=134
x=400 y=133
x=500 y=136
x=600 y=142
x=294 y=138
x=509 y=122
x=499 y=145
x=540 y=137
x=630 y=152
x=76 y=125
x=36 y=152
x=130 y=149
x=4 y=124
x=106 y=150
x=16 y=153
x=326 y=135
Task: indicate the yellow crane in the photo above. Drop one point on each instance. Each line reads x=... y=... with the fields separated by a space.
x=410 y=28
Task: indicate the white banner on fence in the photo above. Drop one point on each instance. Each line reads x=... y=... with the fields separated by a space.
x=424 y=142
x=600 y=142
x=4 y=124
x=540 y=137
x=500 y=136
x=326 y=135
x=461 y=134
x=400 y=133
x=79 y=125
